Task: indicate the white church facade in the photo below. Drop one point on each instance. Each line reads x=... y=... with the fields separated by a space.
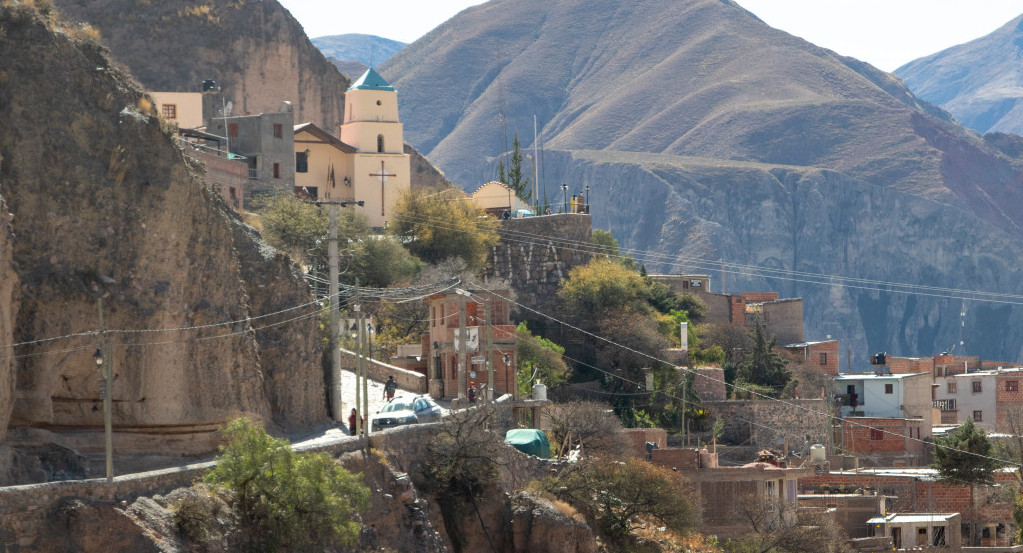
x=367 y=164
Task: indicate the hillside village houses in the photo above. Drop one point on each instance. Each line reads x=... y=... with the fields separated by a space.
x=885 y=417
x=365 y=162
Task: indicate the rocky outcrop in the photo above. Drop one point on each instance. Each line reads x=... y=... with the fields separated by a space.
x=541 y=526
x=8 y=312
x=256 y=51
x=107 y=208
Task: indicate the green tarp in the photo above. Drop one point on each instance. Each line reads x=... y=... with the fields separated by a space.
x=529 y=441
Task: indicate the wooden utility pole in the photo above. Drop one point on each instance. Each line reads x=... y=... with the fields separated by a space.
x=335 y=317
x=462 y=348
x=358 y=361
x=490 y=353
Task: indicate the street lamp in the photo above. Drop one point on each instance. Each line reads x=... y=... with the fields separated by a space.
x=507 y=388
x=564 y=191
x=587 y=198
x=104 y=392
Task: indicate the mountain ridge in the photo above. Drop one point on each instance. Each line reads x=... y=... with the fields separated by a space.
x=708 y=80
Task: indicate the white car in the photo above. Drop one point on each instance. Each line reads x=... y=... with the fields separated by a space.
x=405 y=410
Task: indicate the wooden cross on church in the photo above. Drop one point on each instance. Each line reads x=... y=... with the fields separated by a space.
x=382 y=176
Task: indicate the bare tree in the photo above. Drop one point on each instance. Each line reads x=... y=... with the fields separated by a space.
x=591 y=426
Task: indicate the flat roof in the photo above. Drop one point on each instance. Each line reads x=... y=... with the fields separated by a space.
x=872 y=376
x=910 y=518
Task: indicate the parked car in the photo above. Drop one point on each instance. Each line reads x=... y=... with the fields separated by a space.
x=405 y=410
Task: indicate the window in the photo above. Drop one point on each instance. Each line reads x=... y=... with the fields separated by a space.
x=380 y=143
x=976 y=386
x=277 y=170
x=169 y=111
x=824 y=359
x=876 y=434
x=278 y=130
x=952 y=387
x=978 y=416
x=889 y=388
x=302 y=162
x=1012 y=385
x=232 y=130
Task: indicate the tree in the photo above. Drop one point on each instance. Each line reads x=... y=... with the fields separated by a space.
x=603 y=287
x=775 y=527
x=762 y=366
x=463 y=457
x=963 y=457
x=294 y=501
x=606 y=247
x=539 y=359
x=620 y=496
x=437 y=226
x=516 y=180
x=590 y=426
x=293 y=226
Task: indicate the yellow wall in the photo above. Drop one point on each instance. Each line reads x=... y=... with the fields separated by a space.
x=188 y=106
x=367 y=188
x=322 y=156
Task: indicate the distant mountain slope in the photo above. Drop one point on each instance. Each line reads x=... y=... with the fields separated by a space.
x=708 y=137
x=980 y=82
x=369 y=49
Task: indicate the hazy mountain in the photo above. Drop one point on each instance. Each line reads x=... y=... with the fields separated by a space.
x=980 y=82
x=708 y=137
x=368 y=49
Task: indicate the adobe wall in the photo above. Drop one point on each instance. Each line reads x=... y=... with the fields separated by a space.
x=783 y=319
x=536 y=253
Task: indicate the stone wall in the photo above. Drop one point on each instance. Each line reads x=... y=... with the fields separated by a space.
x=766 y=424
x=378 y=371
x=536 y=253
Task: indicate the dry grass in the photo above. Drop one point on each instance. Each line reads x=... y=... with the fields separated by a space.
x=144 y=106
x=567 y=510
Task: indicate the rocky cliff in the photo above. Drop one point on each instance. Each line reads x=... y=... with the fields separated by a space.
x=255 y=50
x=8 y=308
x=200 y=318
x=713 y=143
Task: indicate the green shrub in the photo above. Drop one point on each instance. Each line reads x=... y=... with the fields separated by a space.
x=283 y=499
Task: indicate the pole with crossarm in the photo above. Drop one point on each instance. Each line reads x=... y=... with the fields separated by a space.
x=382 y=176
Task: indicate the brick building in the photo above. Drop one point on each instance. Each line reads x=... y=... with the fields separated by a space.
x=782 y=318
x=886 y=442
x=917 y=490
x=449 y=375
x=821 y=355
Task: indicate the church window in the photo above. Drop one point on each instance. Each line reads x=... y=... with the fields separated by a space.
x=380 y=143
x=301 y=162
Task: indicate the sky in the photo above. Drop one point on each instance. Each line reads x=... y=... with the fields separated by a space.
x=886 y=33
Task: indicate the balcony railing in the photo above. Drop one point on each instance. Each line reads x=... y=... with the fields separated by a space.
x=945 y=404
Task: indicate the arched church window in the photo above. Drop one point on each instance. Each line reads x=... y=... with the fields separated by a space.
x=380 y=143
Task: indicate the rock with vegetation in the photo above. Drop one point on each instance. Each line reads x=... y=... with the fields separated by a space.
x=106 y=206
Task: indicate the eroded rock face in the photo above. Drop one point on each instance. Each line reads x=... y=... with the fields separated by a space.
x=106 y=206
x=539 y=526
x=256 y=51
x=8 y=311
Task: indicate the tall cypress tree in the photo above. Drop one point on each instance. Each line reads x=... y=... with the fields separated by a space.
x=517 y=181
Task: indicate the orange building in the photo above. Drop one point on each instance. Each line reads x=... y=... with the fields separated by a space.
x=450 y=375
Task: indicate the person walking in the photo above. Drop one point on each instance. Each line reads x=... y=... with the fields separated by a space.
x=389 y=387
x=352 y=420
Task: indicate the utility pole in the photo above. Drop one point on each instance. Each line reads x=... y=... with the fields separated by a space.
x=462 y=347
x=358 y=361
x=335 y=317
x=490 y=353
x=105 y=389
x=366 y=360
x=685 y=435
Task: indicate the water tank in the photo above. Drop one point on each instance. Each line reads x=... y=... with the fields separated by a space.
x=539 y=391
x=817 y=454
